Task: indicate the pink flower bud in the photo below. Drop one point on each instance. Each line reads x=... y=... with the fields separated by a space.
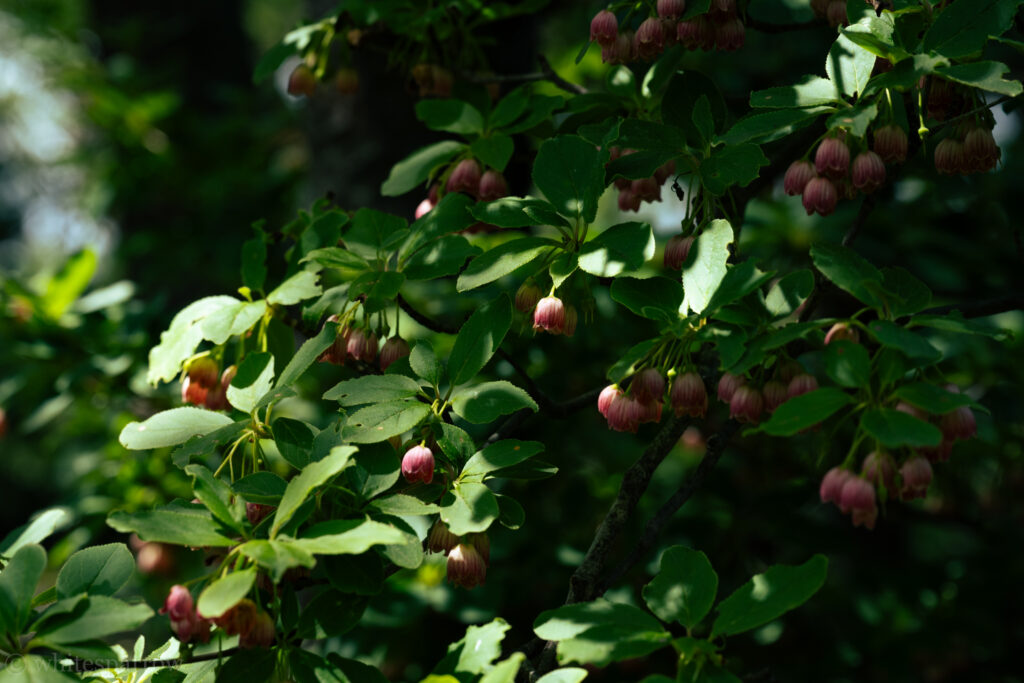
x=878 y=469
x=696 y=33
x=858 y=497
x=605 y=398
x=354 y=345
x=393 y=349
x=671 y=9
x=260 y=633
x=624 y=413
x=423 y=208
x=958 y=424
x=904 y=407
x=689 y=396
x=676 y=251
x=835 y=13
x=647 y=385
x=820 y=196
x=492 y=186
x=628 y=200
x=549 y=315
x=775 y=394
x=980 y=150
x=842 y=331
x=746 y=405
x=803 y=383
x=604 y=28
x=647 y=189
x=302 y=81
x=727 y=386
x=527 y=296
x=256 y=512
x=730 y=34
x=938 y=453
x=787 y=370
x=465 y=177
x=797 y=176
x=649 y=41
x=832 y=159
x=204 y=371
x=950 y=157
x=418 y=465
x=239 y=619
x=916 y=474
x=440 y=539
x=466 y=566
x=571 y=320
x=650 y=412
x=346 y=81
x=868 y=172
x=664 y=172
x=179 y=604
x=723 y=7
x=193 y=392
x=832 y=484
x=891 y=144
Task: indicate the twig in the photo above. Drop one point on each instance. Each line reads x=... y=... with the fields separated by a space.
x=82 y=665
x=977 y=110
x=715 y=449
x=544 y=402
x=426 y=321
x=545 y=74
x=565 y=85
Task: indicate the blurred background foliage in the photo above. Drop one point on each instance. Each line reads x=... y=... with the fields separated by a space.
x=135 y=153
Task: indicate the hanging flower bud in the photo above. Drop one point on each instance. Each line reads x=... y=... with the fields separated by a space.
x=240 y=619
x=878 y=469
x=909 y=409
x=775 y=394
x=492 y=186
x=647 y=385
x=301 y=82
x=858 y=497
x=727 y=386
x=891 y=144
x=868 y=172
x=354 y=345
x=418 y=465
x=650 y=412
x=441 y=539
x=549 y=315
x=192 y=392
x=604 y=28
x=785 y=371
x=393 y=349
x=803 y=383
x=442 y=81
x=671 y=9
x=369 y=350
x=820 y=196
x=797 y=176
x=527 y=296
x=688 y=395
x=730 y=34
x=260 y=633
x=676 y=251
x=696 y=33
x=916 y=474
x=646 y=189
x=482 y=544
x=835 y=13
x=832 y=159
x=628 y=201
x=941 y=97
x=723 y=7
x=649 y=41
x=257 y=512
x=842 y=331
x=980 y=150
x=204 y=371
x=746 y=405
x=832 y=484
x=664 y=172
x=185 y=621
x=958 y=424
x=465 y=177
x=178 y=605
x=950 y=158
x=571 y=320
x=624 y=413
x=466 y=566
x=605 y=398
x=346 y=81
x=423 y=208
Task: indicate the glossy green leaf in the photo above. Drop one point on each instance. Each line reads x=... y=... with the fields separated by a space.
x=217 y=496
x=502 y=260
x=299 y=287
x=705 y=268
x=600 y=632
x=849 y=66
x=424 y=362
x=848 y=364
x=657 y=298
x=95 y=617
x=494 y=150
x=381 y=421
x=18 y=583
x=910 y=343
x=453 y=116
x=517 y=212
x=620 y=248
x=684 y=589
x=569 y=171
x=469 y=508
x=932 y=398
x=805 y=411
x=347 y=537
x=789 y=292
x=739 y=281
x=960 y=30
x=813 y=91
x=312 y=477
x=261 y=487
x=478 y=339
x=97 y=570
x=179 y=341
x=171 y=427
x=252 y=382
x=486 y=402
x=847 y=270
x=769 y=126
x=444 y=256
x=177 y=525
x=228 y=321
x=225 y=592
x=414 y=170
x=983 y=75
x=732 y=165
x=372 y=389
x=895 y=428
x=501 y=454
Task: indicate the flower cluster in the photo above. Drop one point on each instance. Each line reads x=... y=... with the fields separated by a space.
x=969 y=149
x=205 y=386
x=643 y=401
x=470 y=177
x=186 y=622
x=468 y=556
x=632 y=193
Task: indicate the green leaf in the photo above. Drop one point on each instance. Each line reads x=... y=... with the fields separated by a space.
x=813 y=91
x=569 y=171
x=517 y=212
x=294 y=440
x=848 y=364
x=931 y=398
x=910 y=294
x=179 y=341
x=847 y=270
x=955 y=322
x=452 y=116
x=473 y=653
x=409 y=553
x=894 y=428
x=639 y=164
x=403 y=505
x=347 y=537
x=486 y=402
x=769 y=595
x=960 y=30
x=95 y=617
x=569 y=674
x=323 y=232
x=414 y=170
x=271 y=60
x=253 y=380
x=502 y=260
x=906 y=74
x=372 y=389
x=358 y=574
x=313 y=476
x=982 y=75
x=424 y=362
x=478 y=339
x=622 y=247
x=805 y=411
x=226 y=592
x=381 y=421
x=444 y=256
x=657 y=298
x=68 y=283
x=171 y=427
x=732 y=165
x=468 y=508
x=498 y=455
x=18 y=583
x=650 y=135
x=705 y=266
x=680 y=98
x=855 y=119
x=493 y=150
x=299 y=287
x=449 y=216
x=98 y=570
x=190 y=526
x=702 y=119
x=377 y=469
x=876 y=35
x=739 y=280
x=849 y=66
x=336 y=257
x=454 y=442
x=377 y=284
x=600 y=632
x=511 y=515
x=911 y=344
x=787 y=294
x=626 y=365
x=261 y=487
x=38 y=529
x=307 y=355
x=33 y=669
x=684 y=589
x=226 y=322
x=773 y=125
x=510 y=107
x=248 y=666
x=373 y=232
x=217 y=496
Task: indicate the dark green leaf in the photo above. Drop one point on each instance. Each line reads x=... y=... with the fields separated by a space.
x=444 y=256
x=95 y=617
x=600 y=632
x=337 y=257
x=569 y=171
x=494 y=150
x=982 y=75
x=931 y=398
x=453 y=116
x=768 y=126
x=414 y=170
x=358 y=574
x=502 y=260
x=787 y=294
x=469 y=508
x=813 y=91
x=684 y=588
x=848 y=270
x=381 y=421
x=680 y=98
x=657 y=297
x=848 y=364
x=310 y=478
x=732 y=165
x=294 y=440
x=705 y=268
x=855 y=119
x=739 y=280
x=911 y=344
x=894 y=428
x=17 y=586
x=225 y=592
x=478 y=339
x=486 y=402
x=499 y=455
x=424 y=362
x=262 y=487
x=911 y=295
x=962 y=29
x=217 y=496
x=511 y=516
x=517 y=212
x=805 y=411
x=372 y=389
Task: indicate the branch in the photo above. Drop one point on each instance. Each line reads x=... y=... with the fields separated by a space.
x=715 y=449
x=83 y=665
x=977 y=110
x=547 y=405
x=422 y=319
x=546 y=73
